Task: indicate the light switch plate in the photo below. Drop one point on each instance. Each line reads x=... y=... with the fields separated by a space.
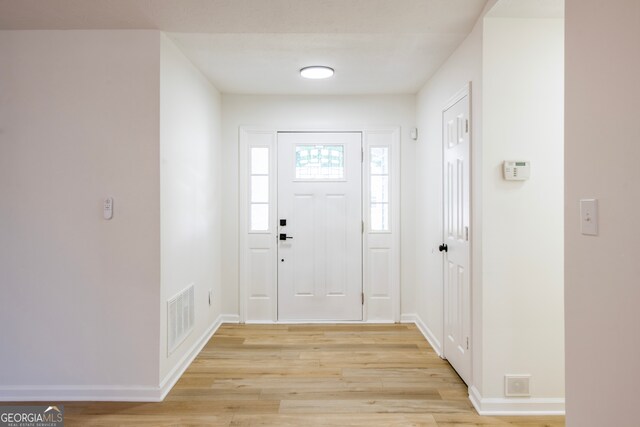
x=589 y=217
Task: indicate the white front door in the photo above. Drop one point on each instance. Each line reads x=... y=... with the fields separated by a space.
x=319 y=226
x=456 y=248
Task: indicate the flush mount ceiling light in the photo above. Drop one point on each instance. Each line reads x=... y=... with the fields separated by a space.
x=316 y=72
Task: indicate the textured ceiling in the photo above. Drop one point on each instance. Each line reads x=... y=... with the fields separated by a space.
x=363 y=63
x=257 y=46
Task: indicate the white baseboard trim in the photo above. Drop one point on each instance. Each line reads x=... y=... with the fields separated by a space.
x=174 y=375
x=115 y=393
x=407 y=318
x=430 y=337
x=520 y=406
x=65 y=393
x=229 y=318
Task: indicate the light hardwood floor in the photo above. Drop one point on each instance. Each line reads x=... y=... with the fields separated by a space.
x=309 y=375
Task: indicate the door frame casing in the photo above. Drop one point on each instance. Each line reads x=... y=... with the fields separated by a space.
x=466 y=90
x=381 y=292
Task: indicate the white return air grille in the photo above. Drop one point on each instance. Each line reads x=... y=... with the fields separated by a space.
x=517 y=385
x=180 y=317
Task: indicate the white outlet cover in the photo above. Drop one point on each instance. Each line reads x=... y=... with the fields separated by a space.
x=589 y=217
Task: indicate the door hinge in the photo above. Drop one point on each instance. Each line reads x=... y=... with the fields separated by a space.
x=467 y=343
x=362 y=227
x=362 y=155
x=362 y=298
x=466 y=126
x=466 y=234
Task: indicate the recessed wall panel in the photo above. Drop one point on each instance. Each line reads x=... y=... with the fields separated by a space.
x=336 y=253
x=380 y=269
x=261 y=262
x=304 y=234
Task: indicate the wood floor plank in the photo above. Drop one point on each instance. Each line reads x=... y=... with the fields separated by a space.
x=347 y=375
x=403 y=406
x=350 y=395
x=467 y=420
x=335 y=420
x=149 y=421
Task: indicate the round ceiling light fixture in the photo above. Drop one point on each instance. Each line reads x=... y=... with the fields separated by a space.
x=316 y=72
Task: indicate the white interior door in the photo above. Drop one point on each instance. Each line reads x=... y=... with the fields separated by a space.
x=320 y=226
x=456 y=247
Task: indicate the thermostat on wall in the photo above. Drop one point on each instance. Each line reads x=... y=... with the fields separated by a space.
x=516 y=170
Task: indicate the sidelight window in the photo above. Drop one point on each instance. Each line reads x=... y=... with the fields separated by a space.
x=259 y=210
x=379 y=188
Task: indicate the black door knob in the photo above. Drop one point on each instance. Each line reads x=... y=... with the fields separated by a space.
x=443 y=247
x=283 y=236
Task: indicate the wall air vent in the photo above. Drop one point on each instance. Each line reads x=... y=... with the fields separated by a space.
x=517 y=385
x=180 y=317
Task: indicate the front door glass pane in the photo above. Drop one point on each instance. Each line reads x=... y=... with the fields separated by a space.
x=319 y=162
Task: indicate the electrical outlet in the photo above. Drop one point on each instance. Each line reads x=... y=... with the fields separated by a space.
x=589 y=217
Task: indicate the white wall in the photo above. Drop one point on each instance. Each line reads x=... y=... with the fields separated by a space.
x=190 y=194
x=602 y=149
x=78 y=123
x=464 y=66
x=85 y=115
x=315 y=112
x=523 y=230
x=515 y=68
